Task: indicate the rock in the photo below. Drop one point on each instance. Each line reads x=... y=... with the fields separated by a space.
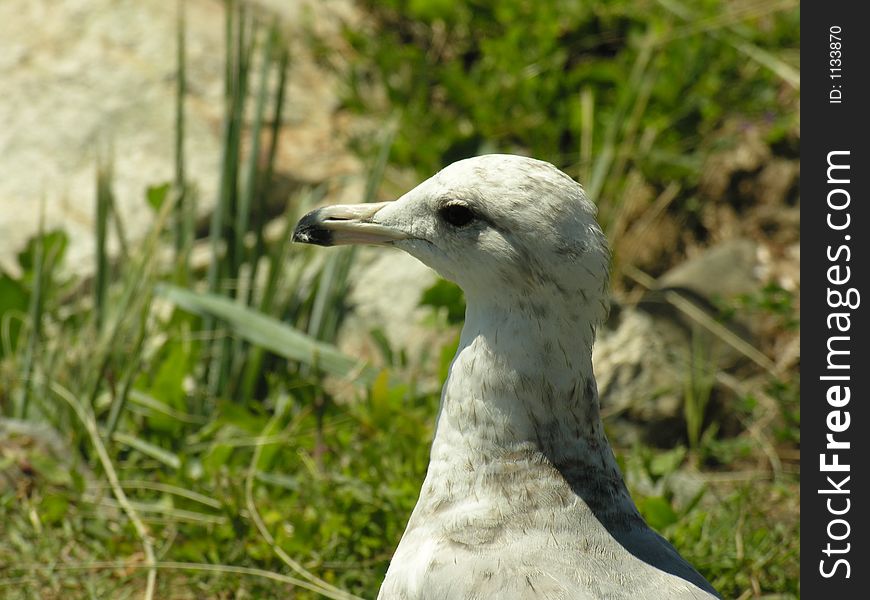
x=645 y=354
x=715 y=278
x=641 y=378
x=777 y=180
x=723 y=271
x=80 y=73
x=391 y=304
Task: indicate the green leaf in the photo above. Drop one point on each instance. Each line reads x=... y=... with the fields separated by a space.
x=156 y=195
x=14 y=301
x=282 y=480
x=168 y=380
x=54 y=248
x=51 y=469
x=217 y=456
x=147 y=448
x=657 y=511
x=269 y=333
x=667 y=462
x=444 y=294
x=53 y=508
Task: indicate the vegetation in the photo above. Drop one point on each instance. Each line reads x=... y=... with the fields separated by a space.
x=171 y=429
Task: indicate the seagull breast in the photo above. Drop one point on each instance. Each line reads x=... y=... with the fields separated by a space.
x=523 y=497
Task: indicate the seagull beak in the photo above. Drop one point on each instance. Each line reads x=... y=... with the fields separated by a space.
x=346 y=224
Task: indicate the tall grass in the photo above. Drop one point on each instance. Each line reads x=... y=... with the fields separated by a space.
x=34 y=317
x=124 y=399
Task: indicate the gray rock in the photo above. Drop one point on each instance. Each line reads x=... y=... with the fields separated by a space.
x=723 y=271
x=639 y=365
x=80 y=73
x=391 y=305
x=645 y=355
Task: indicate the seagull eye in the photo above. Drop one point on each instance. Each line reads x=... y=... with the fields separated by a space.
x=458 y=215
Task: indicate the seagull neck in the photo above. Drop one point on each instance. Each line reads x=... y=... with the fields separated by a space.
x=530 y=337
x=519 y=411
x=521 y=380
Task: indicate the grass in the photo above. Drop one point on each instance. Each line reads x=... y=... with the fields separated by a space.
x=171 y=431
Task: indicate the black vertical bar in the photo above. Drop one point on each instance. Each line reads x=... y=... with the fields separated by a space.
x=834 y=393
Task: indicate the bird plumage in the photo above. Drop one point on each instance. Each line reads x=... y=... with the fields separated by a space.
x=523 y=497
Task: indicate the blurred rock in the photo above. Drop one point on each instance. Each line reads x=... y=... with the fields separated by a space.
x=749 y=189
x=386 y=287
x=644 y=355
x=80 y=73
x=723 y=271
x=777 y=181
x=640 y=372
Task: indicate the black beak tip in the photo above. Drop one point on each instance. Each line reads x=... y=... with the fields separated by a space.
x=310 y=230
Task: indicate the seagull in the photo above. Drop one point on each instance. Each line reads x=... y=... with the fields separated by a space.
x=523 y=498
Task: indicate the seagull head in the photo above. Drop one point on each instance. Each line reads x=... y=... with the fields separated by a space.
x=507 y=229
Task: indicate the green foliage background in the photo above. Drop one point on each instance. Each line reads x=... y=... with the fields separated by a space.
x=215 y=408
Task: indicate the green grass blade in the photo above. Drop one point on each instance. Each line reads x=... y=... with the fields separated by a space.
x=34 y=315
x=270 y=333
x=277 y=261
x=324 y=299
x=181 y=242
x=229 y=27
x=120 y=231
x=245 y=42
x=265 y=175
x=225 y=261
x=101 y=276
x=779 y=67
x=149 y=406
x=587 y=131
x=244 y=292
x=148 y=449
x=627 y=96
x=275 y=131
x=119 y=402
x=247 y=196
x=133 y=300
